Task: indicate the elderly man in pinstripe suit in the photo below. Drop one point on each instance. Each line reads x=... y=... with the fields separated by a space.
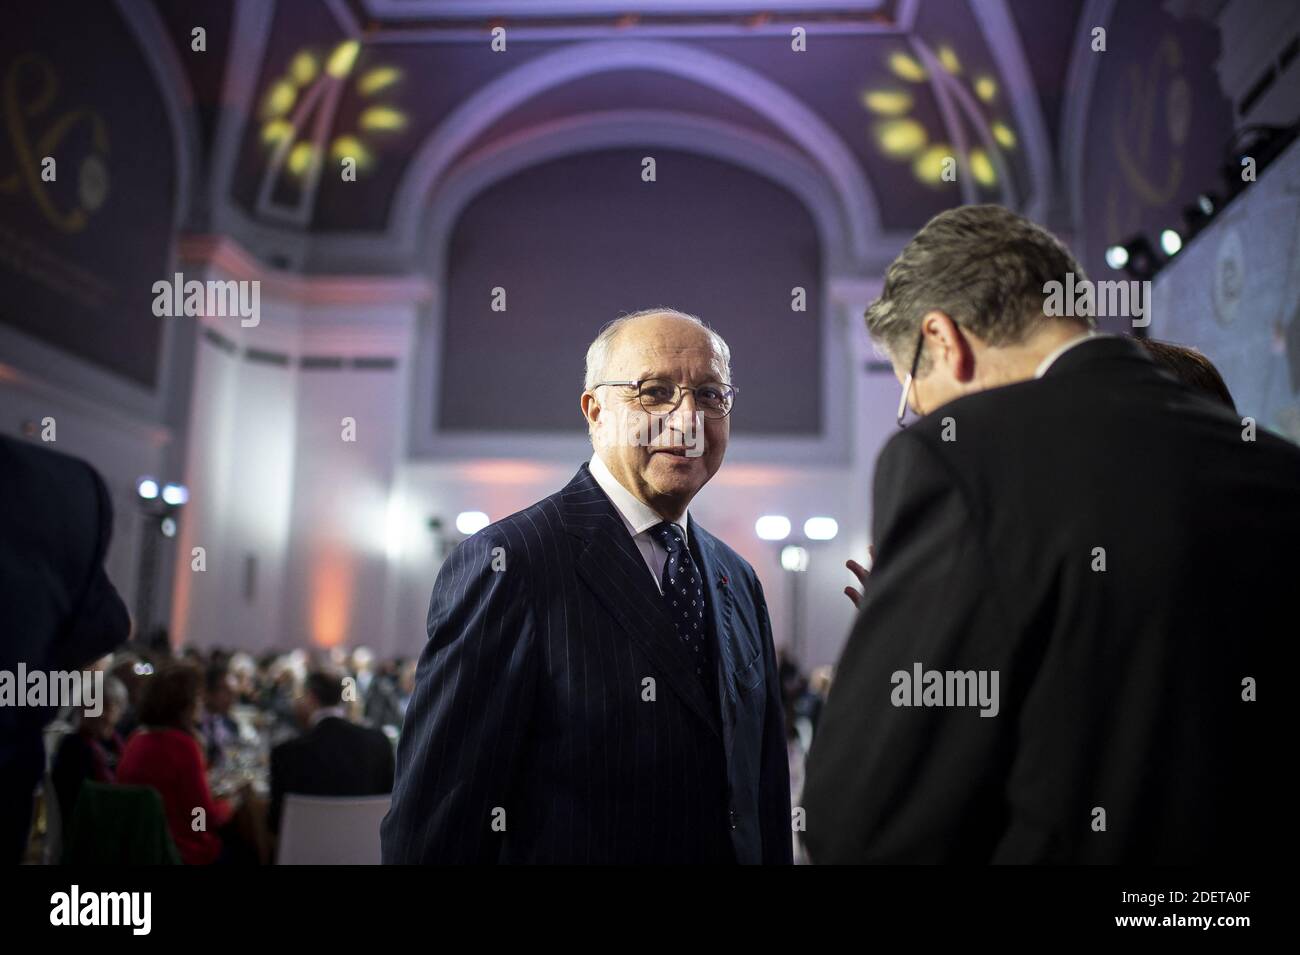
x=599 y=683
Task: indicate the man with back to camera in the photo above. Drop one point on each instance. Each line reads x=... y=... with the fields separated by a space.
x=1118 y=551
x=599 y=683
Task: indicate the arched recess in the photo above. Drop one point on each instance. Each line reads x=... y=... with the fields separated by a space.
x=173 y=85
x=440 y=151
x=735 y=145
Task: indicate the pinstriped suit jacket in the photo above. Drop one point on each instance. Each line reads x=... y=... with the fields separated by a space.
x=556 y=717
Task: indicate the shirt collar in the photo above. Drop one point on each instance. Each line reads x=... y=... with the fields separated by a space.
x=638 y=516
x=1056 y=353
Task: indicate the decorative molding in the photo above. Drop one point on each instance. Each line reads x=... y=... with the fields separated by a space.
x=948 y=111
x=475 y=9
x=1074 y=121
x=43 y=388
x=1007 y=46
x=498 y=98
x=173 y=88
x=233 y=260
x=612 y=129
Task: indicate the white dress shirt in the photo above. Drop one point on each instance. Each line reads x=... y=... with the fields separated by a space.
x=638 y=518
x=1056 y=353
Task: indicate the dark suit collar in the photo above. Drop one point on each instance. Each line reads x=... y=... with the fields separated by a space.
x=1095 y=352
x=616 y=572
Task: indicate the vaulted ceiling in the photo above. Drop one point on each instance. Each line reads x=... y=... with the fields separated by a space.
x=413 y=91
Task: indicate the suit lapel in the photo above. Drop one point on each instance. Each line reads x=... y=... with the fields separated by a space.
x=614 y=569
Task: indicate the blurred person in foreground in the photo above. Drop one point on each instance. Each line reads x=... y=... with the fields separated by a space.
x=1081 y=565
x=600 y=683
x=59 y=609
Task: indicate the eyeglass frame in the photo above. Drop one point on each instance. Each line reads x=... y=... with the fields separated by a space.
x=907 y=382
x=680 y=393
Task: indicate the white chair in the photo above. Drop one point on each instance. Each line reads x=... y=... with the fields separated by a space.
x=330 y=830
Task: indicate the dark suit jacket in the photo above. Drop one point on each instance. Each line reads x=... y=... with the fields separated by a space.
x=333 y=758
x=1119 y=690
x=58 y=609
x=531 y=699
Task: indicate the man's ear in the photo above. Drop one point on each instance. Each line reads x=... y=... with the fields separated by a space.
x=949 y=345
x=590 y=406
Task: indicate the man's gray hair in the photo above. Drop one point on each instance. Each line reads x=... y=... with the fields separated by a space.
x=982 y=266
x=598 y=351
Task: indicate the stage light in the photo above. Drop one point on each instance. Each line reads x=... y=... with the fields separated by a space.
x=982 y=167
x=383 y=118
x=1171 y=242
x=175 y=494
x=887 y=102
x=168 y=527
x=900 y=138
x=471 y=522
x=794 y=558
x=340 y=62
x=930 y=165
x=301 y=156
x=906 y=67
x=1136 y=257
x=1198 y=215
x=821 y=528
x=772 y=527
x=147 y=488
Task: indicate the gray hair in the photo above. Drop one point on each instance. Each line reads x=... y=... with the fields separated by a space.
x=982 y=266
x=598 y=351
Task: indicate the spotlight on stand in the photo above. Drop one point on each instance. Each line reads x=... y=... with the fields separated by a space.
x=772 y=527
x=794 y=558
x=1261 y=145
x=147 y=488
x=1198 y=215
x=471 y=522
x=1136 y=257
x=1171 y=242
x=175 y=494
x=821 y=528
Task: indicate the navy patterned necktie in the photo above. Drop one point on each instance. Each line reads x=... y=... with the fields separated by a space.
x=683 y=588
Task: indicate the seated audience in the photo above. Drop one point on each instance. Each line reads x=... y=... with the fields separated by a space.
x=92 y=752
x=217 y=727
x=165 y=753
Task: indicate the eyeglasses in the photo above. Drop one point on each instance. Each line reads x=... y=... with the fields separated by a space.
x=907 y=382
x=660 y=396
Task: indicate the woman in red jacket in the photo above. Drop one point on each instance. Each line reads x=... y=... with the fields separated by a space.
x=165 y=753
